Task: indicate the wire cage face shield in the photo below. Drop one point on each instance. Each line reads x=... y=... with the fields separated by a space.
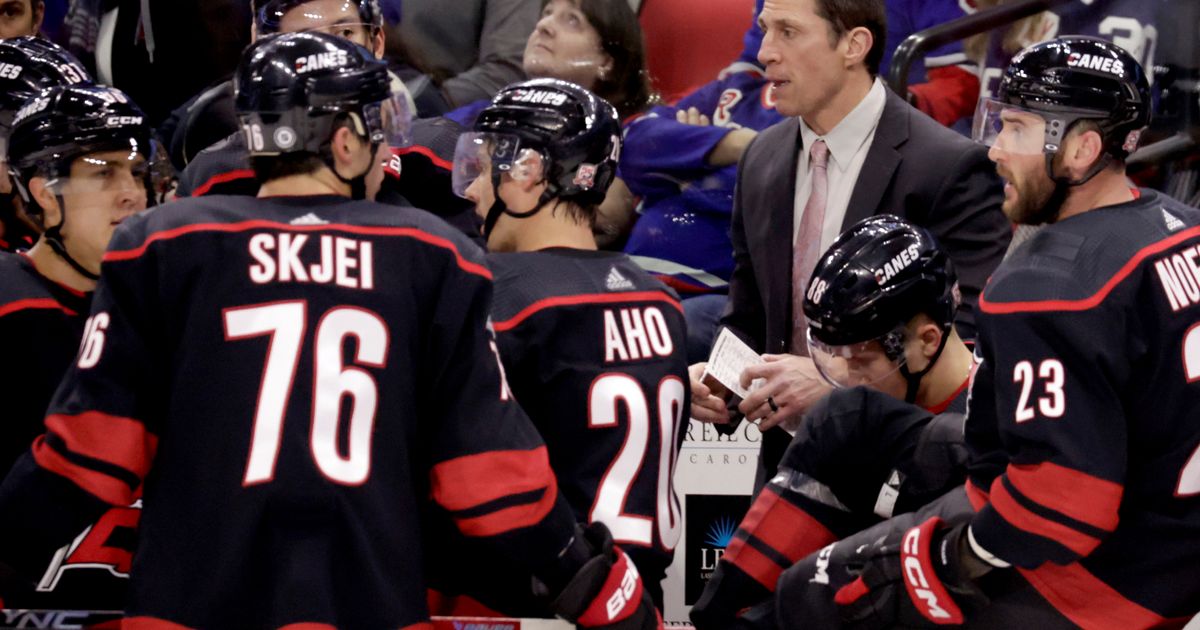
x=478 y=153
x=864 y=363
x=1015 y=129
x=389 y=121
x=340 y=18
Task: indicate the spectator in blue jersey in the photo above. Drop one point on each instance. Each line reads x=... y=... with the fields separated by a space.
x=944 y=82
x=682 y=161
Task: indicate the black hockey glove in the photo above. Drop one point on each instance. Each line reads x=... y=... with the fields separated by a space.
x=912 y=579
x=607 y=591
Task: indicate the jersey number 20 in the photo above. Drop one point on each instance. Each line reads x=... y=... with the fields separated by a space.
x=606 y=392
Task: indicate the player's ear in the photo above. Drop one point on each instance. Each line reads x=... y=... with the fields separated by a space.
x=345 y=144
x=930 y=335
x=1083 y=149
x=46 y=198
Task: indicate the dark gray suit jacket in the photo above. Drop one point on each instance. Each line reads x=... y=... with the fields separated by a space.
x=915 y=168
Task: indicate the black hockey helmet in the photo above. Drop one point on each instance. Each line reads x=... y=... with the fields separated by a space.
x=61 y=124
x=576 y=134
x=868 y=285
x=293 y=89
x=327 y=17
x=1069 y=79
x=27 y=66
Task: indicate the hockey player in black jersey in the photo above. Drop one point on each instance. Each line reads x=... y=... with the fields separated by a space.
x=1082 y=504
x=32 y=64
x=593 y=347
x=288 y=380
x=888 y=439
x=79 y=159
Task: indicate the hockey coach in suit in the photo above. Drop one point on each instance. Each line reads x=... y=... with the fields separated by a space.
x=849 y=149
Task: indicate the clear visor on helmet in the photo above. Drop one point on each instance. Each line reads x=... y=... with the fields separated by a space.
x=864 y=363
x=476 y=154
x=1014 y=129
x=334 y=17
x=112 y=178
x=389 y=121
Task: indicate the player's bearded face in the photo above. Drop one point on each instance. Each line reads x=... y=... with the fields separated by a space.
x=1027 y=189
x=1018 y=151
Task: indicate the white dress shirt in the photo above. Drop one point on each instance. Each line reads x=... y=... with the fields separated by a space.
x=848 y=142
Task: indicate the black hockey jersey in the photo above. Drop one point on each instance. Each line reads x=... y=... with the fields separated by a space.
x=286 y=381
x=595 y=351
x=1082 y=421
x=41 y=323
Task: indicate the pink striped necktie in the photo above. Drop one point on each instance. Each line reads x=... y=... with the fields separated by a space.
x=807 y=249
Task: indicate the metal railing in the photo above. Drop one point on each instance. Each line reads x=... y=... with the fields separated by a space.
x=921 y=42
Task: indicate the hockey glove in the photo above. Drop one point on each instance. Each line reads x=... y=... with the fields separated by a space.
x=913 y=579
x=606 y=592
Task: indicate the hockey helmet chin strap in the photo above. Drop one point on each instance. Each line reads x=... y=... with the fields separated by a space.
x=53 y=236
x=499 y=207
x=914 y=378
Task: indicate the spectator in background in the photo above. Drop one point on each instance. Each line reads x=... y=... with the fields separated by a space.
x=944 y=83
x=1129 y=24
x=21 y=17
x=681 y=161
x=471 y=48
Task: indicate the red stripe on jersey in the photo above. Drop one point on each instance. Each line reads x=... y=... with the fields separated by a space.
x=222 y=178
x=122 y=442
x=1076 y=494
x=1087 y=601
x=978 y=498
x=785 y=527
x=1095 y=299
x=1025 y=520
x=510 y=518
x=945 y=404
x=427 y=152
x=107 y=489
x=34 y=303
x=585 y=298
x=473 y=480
x=244 y=226
x=762 y=569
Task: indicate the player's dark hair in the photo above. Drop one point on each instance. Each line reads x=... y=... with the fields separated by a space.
x=844 y=15
x=627 y=87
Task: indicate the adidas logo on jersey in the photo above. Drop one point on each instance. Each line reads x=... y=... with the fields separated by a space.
x=1172 y=221
x=616 y=281
x=309 y=219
